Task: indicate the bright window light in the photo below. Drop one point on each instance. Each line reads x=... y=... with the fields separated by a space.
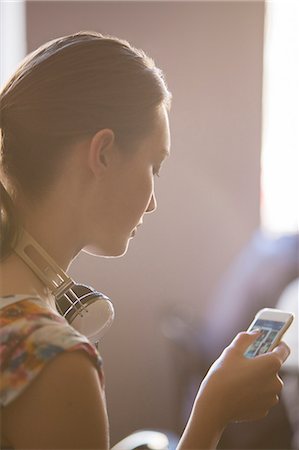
x=12 y=37
x=280 y=151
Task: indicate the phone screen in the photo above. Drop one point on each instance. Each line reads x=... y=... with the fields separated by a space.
x=269 y=331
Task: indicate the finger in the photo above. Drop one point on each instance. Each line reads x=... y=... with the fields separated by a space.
x=276 y=400
x=272 y=401
x=274 y=359
x=282 y=351
x=268 y=363
x=267 y=402
x=275 y=386
x=278 y=384
x=244 y=339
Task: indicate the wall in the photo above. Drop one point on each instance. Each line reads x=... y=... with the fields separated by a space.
x=208 y=193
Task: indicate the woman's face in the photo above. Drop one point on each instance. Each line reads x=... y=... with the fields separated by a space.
x=130 y=190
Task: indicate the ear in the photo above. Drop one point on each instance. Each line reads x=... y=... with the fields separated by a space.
x=101 y=151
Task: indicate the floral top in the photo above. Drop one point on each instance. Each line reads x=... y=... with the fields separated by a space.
x=31 y=335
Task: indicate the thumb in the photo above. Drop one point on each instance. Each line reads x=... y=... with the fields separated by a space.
x=244 y=339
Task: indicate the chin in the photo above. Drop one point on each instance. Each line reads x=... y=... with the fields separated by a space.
x=115 y=251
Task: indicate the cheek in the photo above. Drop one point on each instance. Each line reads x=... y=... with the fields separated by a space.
x=142 y=194
x=131 y=197
x=148 y=190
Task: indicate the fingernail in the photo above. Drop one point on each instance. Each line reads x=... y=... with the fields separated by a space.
x=256 y=331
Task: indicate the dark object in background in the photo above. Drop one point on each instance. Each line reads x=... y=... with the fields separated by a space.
x=272 y=433
x=255 y=280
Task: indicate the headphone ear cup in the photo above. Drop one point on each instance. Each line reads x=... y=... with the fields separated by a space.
x=87 y=310
x=90 y=312
x=82 y=289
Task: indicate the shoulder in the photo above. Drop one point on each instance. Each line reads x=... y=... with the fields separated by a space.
x=66 y=404
x=31 y=336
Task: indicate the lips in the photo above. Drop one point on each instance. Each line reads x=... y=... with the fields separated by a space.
x=135 y=229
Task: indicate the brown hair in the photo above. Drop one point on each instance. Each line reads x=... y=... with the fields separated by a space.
x=68 y=89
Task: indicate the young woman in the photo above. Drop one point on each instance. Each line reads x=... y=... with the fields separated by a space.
x=84 y=130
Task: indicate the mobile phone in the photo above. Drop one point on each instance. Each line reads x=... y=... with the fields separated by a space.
x=272 y=323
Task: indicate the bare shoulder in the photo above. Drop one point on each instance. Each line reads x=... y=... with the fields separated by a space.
x=63 y=408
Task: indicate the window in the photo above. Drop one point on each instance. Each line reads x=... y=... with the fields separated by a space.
x=12 y=37
x=280 y=151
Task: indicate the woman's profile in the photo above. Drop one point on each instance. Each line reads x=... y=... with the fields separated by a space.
x=84 y=132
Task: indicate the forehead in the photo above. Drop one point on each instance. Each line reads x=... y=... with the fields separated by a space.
x=161 y=134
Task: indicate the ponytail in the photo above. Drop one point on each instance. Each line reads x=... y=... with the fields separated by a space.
x=8 y=217
x=8 y=223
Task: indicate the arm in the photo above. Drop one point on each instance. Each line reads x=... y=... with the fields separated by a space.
x=235 y=389
x=63 y=408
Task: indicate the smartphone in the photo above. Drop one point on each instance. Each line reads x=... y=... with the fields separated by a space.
x=272 y=323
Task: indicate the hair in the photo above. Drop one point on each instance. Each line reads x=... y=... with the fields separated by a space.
x=67 y=90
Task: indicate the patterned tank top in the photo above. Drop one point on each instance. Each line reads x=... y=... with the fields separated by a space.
x=31 y=335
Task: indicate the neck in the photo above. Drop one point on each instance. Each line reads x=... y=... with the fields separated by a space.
x=55 y=228
x=18 y=278
x=58 y=244
x=56 y=238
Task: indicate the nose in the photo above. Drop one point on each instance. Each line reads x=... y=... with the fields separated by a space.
x=152 y=206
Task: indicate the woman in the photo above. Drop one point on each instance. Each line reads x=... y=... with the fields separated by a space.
x=84 y=125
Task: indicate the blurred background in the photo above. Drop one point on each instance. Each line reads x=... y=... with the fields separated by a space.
x=223 y=242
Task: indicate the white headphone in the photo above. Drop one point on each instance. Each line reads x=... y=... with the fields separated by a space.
x=90 y=312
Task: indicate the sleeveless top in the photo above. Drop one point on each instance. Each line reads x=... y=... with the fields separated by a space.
x=31 y=335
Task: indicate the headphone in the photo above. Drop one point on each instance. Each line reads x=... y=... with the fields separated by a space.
x=90 y=312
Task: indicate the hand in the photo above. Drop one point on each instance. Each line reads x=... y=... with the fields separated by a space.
x=239 y=388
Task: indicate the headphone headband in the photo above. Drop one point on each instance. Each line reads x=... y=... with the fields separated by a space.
x=86 y=309
x=43 y=265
